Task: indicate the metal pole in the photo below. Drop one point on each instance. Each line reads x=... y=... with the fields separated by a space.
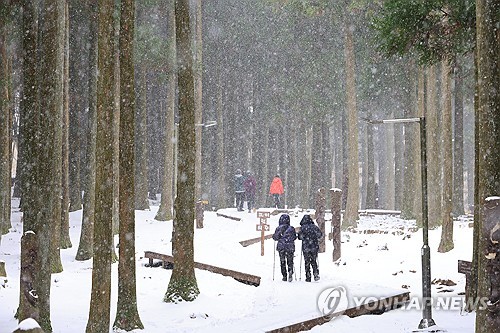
x=427 y=320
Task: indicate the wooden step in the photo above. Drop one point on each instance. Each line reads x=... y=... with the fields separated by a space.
x=238 y=276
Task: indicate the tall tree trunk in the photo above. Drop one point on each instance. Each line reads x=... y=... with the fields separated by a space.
x=65 y=238
x=141 y=171
x=370 y=166
x=99 y=315
x=399 y=148
x=458 y=143
x=127 y=316
x=411 y=138
x=351 y=211
x=76 y=105
x=4 y=134
x=165 y=211
x=386 y=167
x=29 y=133
x=49 y=216
x=488 y=53
x=344 y=157
x=183 y=285
x=446 y=243
x=221 y=184
x=266 y=179
x=307 y=201
x=317 y=167
x=58 y=136
x=433 y=161
x=85 y=247
x=198 y=79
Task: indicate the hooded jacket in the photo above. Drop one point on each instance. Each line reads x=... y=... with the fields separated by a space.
x=285 y=235
x=309 y=234
x=239 y=179
x=276 y=186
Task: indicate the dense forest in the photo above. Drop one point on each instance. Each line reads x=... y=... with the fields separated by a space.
x=110 y=106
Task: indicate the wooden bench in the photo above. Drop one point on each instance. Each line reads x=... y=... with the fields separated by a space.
x=238 y=276
x=465 y=267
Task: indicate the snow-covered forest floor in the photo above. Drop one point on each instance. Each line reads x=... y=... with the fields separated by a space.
x=380 y=257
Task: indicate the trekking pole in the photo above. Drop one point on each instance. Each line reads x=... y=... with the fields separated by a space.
x=300 y=267
x=274 y=259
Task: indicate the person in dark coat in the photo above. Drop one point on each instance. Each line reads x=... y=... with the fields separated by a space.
x=250 y=185
x=239 y=189
x=285 y=235
x=310 y=234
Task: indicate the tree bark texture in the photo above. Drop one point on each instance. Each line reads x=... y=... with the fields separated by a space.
x=488 y=112
x=351 y=211
x=99 y=315
x=198 y=102
x=458 y=142
x=446 y=243
x=76 y=103
x=85 y=246
x=336 y=200
x=127 y=315
x=5 y=125
x=183 y=285
x=141 y=152
x=320 y=216
x=65 y=238
x=165 y=211
x=433 y=160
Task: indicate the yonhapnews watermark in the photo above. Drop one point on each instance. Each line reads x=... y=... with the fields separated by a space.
x=333 y=301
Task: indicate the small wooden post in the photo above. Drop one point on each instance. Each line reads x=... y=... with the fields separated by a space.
x=320 y=216
x=262 y=226
x=491 y=236
x=28 y=307
x=336 y=197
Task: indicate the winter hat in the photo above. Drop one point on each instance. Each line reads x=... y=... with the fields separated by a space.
x=284 y=219
x=306 y=220
x=238 y=171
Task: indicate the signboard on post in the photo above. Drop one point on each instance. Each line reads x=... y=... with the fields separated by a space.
x=262 y=226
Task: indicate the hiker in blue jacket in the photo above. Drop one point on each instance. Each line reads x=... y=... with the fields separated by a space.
x=285 y=235
x=310 y=234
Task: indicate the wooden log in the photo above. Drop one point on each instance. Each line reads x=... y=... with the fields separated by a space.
x=229 y=217
x=320 y=217
x=238 y=276
x=378 y=306
x=336 y=197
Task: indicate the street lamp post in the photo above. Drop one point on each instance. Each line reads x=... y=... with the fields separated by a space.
x=425 y=252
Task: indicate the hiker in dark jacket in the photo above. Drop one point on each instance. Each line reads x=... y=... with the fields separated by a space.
x=310 y=234
x=285 y=235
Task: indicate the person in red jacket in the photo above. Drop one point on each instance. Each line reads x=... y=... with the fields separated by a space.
x=276 y=190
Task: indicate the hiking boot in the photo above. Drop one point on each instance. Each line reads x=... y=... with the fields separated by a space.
x=290 y=277
x=308 y=278
x=284 y=278
x=316 y=277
